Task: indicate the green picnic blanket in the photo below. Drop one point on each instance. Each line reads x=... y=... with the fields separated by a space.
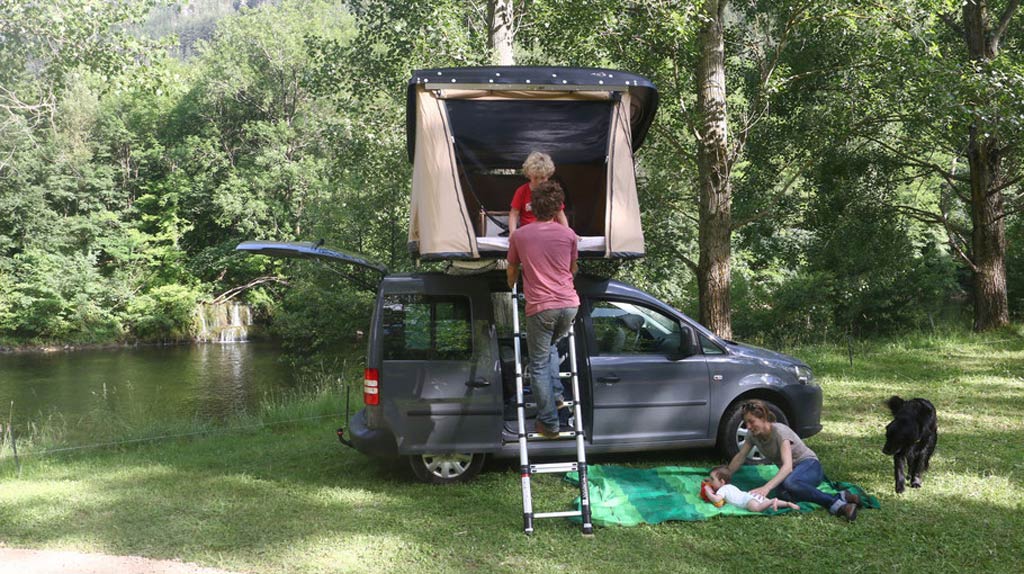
x=629 y=496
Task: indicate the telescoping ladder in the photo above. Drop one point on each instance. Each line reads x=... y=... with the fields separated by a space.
x=527 y=470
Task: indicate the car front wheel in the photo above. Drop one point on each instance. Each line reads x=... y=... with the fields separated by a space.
x=446 y=468
x=732 y=432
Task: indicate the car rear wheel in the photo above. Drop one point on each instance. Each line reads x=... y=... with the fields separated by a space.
x=732 y=432
x=446 y=468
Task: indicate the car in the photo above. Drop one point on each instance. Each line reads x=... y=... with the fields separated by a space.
x=440 y=373
x=440 y=360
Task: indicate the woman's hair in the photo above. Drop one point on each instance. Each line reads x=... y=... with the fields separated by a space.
x=722 y=472
x=539 y=164
x=758 y=409
x=546 y=200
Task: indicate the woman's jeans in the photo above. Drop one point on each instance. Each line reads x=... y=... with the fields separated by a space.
x=543 y=331
x=802 y=485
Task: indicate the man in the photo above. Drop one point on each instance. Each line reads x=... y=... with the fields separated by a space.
x=547 y=252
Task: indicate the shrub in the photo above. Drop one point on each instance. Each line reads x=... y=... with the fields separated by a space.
x=164 y=313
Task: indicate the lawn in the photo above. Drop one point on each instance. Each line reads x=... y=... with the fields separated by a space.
x=289 y=498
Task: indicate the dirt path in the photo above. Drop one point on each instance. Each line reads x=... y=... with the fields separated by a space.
x=14 y=561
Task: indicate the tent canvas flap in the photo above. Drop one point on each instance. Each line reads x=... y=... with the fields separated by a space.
x=440 y=226
x=623 y=233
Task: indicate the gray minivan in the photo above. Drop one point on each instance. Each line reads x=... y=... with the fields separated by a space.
x=440 y=372
x=439 y=379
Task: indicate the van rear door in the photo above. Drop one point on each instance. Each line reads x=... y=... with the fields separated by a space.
x=440 y=380
x=316 y=251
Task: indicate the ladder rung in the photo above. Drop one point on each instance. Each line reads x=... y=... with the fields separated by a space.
x=554 y=467
x=561 y=435
x=562 y=514
x=565 y=404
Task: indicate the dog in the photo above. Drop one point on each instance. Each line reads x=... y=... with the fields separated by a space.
x=910 y=438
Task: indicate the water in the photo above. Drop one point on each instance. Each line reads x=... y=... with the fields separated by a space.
x=136 y=386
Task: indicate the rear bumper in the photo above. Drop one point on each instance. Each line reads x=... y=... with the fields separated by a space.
x=805 y=409
x=374 y=442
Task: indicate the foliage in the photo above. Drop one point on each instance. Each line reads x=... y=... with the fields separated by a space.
x=165 y=313
x=322 y=313
x=129 y=169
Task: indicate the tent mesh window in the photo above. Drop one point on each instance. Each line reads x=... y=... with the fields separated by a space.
x=493 y=138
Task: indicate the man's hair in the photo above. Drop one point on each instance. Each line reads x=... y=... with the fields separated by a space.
x=539 y=164
x=723 y=473
x=546 y=199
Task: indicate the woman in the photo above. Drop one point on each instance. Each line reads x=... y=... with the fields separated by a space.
x=799 y=472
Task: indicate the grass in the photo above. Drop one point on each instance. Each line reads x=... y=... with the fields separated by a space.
x=289 y=498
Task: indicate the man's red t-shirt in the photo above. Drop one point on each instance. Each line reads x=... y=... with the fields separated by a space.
x=546 y=250
x=521 y=201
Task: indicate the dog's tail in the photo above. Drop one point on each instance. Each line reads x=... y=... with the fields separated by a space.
x=895 y=404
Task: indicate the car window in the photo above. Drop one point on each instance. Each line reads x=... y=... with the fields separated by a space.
x=622 y=328
x=501 y=303
x=420 y=327
x=710 y=348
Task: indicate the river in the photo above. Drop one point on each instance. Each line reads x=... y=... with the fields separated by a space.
x=135 y=386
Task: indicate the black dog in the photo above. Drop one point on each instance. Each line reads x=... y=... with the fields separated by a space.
x=910 y=438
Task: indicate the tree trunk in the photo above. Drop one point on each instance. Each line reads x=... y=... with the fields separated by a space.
x=715 y=232
x=501 y=33
x=988 y=237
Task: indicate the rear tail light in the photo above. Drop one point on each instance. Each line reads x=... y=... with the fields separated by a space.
x=371 y=390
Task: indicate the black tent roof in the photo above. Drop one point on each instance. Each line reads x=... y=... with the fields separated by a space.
x=536 y=77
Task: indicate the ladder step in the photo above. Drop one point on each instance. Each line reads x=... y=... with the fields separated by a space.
x=554 y=467
x=561 y=436
x=565 y=405
x=562 y=514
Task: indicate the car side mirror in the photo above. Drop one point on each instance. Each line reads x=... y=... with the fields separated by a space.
x=686 y=347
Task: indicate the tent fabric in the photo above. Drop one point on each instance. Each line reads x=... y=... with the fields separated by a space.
x=439 y=222
x=500 y=244
x=484 y=95
x=624 y=235
x=500 y=134
x=624 y=496
x=537 y=79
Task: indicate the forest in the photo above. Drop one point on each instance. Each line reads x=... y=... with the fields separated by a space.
x=816 y=171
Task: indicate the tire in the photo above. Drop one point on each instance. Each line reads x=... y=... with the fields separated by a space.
x=733 y=431
x=449 y=468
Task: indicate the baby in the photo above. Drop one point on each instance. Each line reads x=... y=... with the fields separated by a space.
x=717 y=490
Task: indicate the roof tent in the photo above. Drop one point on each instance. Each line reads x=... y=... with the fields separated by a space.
x=470 y=129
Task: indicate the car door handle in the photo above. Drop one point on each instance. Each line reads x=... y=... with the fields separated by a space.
x=478 y=383
x=716 y=378
x=608 y=379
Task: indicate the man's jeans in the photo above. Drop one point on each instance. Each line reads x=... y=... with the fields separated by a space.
x=543 y=331
x=802 y=485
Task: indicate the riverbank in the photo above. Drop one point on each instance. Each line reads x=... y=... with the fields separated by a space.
x=45 y=348
x=282 y=495
x=72 y=347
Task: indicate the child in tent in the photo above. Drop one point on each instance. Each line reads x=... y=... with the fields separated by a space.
x=538 y=167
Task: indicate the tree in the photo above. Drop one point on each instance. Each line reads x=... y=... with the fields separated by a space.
x=501 y=34
x=936 y=89
x=713 y=171
x=703 y=129
x=986 y=152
